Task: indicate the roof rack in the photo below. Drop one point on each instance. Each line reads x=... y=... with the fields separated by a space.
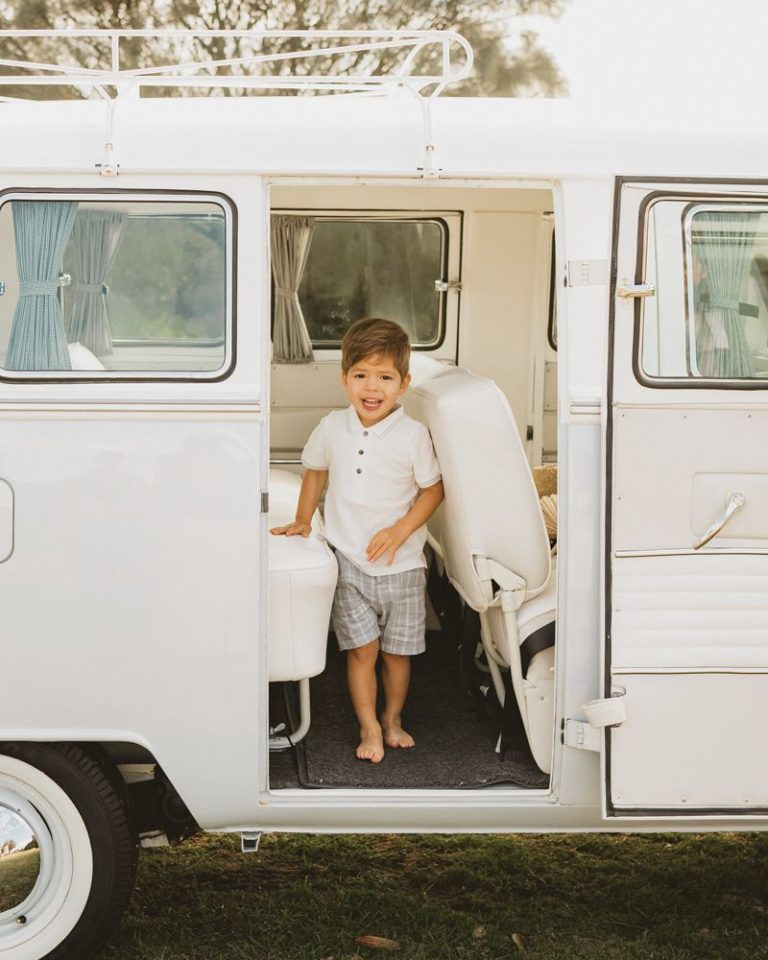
x=325 y=61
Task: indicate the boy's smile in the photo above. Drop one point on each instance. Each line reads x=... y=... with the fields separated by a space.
x=373 y=386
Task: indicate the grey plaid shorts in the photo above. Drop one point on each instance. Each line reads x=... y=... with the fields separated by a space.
x=391 y=607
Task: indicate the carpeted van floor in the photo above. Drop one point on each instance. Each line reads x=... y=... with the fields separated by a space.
x=455 y=734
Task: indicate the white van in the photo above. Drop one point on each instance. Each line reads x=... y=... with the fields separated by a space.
x=588 y=299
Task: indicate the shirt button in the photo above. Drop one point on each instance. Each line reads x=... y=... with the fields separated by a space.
x=359 y=470
x=365 y=433
x=361 y=451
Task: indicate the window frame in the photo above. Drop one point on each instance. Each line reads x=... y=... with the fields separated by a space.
x=333 y=347
x=552 y=306
x=697 y=202
x=107 y=196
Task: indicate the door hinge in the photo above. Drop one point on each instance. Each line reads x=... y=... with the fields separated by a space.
x=265 y=503
x=579 y=734
x=608 y=712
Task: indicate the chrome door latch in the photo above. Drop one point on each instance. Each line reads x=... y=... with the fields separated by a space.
x=628 y=290
x=443 y=286
x=735 y=502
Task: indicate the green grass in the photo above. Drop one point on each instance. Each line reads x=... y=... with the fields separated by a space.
x=661 y=897
x=18 y=874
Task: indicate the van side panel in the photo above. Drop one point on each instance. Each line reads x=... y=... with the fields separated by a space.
x=130 y=598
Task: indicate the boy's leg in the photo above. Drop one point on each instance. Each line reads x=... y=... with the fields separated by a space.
x=361 y=679
x=395 y=676
x=402 y=637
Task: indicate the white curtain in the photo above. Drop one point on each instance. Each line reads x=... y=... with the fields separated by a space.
x=291 y=237
x=721 y=344
x=97 y=237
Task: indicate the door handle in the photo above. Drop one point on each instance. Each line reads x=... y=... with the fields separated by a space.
x=735 y=502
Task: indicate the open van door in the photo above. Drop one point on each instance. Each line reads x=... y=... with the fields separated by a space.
x=686 y=594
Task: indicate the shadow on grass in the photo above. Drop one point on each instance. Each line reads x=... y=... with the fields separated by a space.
x=660 y=897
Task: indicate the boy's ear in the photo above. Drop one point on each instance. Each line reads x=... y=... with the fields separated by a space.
x=405 y=384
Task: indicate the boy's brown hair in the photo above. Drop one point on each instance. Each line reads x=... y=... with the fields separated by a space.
x=376 y=337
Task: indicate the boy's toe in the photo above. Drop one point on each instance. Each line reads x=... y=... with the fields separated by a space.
x=371 y=748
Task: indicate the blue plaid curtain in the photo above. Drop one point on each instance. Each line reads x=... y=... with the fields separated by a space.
x=38 y=340
x=725 y=251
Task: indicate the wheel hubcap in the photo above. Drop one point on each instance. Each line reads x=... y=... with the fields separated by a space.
x=20 y=861
x=45 y=874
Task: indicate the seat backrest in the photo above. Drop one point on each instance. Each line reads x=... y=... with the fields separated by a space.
x=423 y=368
x=491 y=506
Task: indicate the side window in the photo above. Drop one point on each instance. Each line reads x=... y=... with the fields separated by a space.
x=708 y=319
x=362 y=266
x=119 y=287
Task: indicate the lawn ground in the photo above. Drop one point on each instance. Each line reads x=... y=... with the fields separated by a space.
x=18 y=874
x=577 y=897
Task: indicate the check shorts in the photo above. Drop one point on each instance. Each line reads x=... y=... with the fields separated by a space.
x=391 y=608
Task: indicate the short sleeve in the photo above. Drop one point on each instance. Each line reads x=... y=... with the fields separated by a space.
x=426 y=469
x=315 y=454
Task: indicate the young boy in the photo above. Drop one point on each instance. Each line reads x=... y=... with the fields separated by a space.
x=383 y=485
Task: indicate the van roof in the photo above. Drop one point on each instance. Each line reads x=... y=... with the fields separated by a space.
x=384 y=136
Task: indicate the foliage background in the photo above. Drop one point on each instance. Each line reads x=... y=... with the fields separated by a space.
x=508 y=61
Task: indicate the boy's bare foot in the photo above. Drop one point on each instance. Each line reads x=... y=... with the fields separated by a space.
x=395 y=736
x=371 y=746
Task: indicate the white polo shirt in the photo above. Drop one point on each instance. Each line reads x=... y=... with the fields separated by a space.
x=375 y=474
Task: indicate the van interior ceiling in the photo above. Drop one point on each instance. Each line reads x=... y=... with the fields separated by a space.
x=469 y=273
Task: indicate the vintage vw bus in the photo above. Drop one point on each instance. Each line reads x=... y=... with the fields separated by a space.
x=588 y=299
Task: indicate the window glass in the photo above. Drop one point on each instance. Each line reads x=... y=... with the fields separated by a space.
x=709 y=316
x=369 y=267
x=123 y=286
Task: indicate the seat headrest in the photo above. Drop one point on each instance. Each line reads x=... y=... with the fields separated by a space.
x=491 y=506
x=423 y=368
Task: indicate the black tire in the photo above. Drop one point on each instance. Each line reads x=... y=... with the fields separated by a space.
x=70 y=913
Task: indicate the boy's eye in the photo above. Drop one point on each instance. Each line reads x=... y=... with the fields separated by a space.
x=386 y=377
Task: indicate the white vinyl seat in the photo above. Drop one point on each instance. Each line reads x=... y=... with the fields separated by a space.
x=491 y=538
x=302 y=581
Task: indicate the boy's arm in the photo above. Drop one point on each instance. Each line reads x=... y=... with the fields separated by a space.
x=389 y=540
x=312 y=487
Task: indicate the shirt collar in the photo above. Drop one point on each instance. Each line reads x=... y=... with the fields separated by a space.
x=379 y=429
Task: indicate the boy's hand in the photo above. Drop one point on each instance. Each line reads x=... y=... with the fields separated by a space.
x=387 y=541
x=296 y=529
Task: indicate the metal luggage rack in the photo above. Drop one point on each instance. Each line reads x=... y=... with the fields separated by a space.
x=245 y=61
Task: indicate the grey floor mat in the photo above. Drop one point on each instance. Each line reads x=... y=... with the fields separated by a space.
x=455 y=736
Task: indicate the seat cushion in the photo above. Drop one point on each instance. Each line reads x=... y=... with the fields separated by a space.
x=302 y=581
x=284 y=487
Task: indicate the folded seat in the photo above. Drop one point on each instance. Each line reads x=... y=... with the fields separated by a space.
x=489 y=533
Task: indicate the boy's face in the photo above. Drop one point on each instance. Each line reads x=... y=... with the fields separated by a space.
x=373 y=387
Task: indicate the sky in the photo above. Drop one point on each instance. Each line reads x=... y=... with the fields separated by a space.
x=659 y=50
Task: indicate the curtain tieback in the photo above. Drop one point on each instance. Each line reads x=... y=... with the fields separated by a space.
x=724 y=304
x=38 y=288
x=92 y=288
x=287 y=294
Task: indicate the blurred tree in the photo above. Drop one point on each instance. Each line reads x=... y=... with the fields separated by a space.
x=506 y=63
